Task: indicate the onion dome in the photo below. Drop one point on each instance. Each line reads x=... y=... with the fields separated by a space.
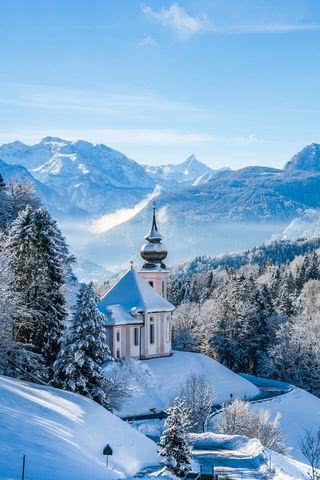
x=153 y=252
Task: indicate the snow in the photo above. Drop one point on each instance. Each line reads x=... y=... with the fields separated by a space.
x=306 y=225
x=132 y=292
x=213 y=441
x=163 y=376
x=240 y=457
x=62 y=436
x=116 y=315
x=300 y=411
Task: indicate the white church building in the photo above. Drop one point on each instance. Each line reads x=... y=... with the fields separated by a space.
x=136 y=308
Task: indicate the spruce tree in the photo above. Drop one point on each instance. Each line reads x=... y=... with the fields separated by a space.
x=2 y=184
x=77 y=367
x=36 y=258
x=174 y=449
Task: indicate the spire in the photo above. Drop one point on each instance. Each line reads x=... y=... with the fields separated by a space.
x=154 y=236
x=153 y=252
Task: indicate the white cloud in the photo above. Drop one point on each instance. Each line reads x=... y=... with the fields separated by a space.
x=176 y=18
x=268 y=28
x=129 y=137
x=148 y=41
x=115 y=105
x=185 y=25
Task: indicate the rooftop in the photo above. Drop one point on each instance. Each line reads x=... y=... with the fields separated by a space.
x=133 y=294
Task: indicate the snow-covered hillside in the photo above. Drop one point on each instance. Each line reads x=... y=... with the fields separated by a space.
x=306 y=225
x=63 y=435
x=300 y=411
x=156 y=381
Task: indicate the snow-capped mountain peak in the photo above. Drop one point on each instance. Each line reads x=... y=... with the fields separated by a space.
x=308 y=159
x=96 y=178
x=189 y=172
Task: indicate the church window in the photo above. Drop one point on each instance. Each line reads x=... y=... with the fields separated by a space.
x=151 y=331
x=118 y=353
x=162 y=288
x=136 y=336
x=118 y=336
x=151 y=283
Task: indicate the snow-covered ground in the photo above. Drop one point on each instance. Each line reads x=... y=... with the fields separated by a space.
x=159 y=380
x=300 y=411
x=242 y=458
x=63 y=435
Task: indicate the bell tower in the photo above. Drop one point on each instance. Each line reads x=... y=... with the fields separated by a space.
x=154 y=271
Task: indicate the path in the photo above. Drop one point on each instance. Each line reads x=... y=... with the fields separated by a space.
x=229 y=464
x=269 y=389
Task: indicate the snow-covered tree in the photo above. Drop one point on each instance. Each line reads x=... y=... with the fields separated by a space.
x=310 y=447
x=35 y=255
x=78 y=366
x=198 y=397
x=295 y=354
x=15 y=360
x=22 y=195
x=174 y=449
x=185 y=332
x=238 y=418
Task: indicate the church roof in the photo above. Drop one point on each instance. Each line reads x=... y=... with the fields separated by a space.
x=117 y=315
x=134 y=295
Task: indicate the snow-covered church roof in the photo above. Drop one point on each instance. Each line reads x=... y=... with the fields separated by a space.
x=132 y=295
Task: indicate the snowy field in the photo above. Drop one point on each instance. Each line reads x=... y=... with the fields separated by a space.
x=157 y=381
x=62 y=436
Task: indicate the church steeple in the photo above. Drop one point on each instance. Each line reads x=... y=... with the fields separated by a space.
x=153 y=252
x=154 y=236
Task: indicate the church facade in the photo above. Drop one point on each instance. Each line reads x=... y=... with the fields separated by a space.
x=137 y=312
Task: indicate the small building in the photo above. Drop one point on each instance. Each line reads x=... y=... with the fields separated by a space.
x=136 y=308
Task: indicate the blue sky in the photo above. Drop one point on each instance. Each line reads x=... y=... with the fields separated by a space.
x=234 y=82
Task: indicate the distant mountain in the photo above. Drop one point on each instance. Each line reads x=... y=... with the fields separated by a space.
x=94 y=178
x=58 y=207
x=306 y=225
x=87 y=271
x=190 y=172
x=201 y=210
x=232 y=211
x=307 y=160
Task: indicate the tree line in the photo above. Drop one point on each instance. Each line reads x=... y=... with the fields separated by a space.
x=45 y=337
x=259 y=319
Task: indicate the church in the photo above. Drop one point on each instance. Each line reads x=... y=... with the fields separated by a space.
x=136 y=308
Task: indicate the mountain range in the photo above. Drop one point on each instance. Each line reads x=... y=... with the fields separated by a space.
x=201 y=210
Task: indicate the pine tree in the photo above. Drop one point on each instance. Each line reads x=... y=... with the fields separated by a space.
x=36 y=258
x=2 y=184
x=174 y=449
x=6 y=211
x=77 y=367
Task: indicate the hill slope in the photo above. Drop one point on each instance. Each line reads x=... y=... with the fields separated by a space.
x=62 y=436
x=159 y=380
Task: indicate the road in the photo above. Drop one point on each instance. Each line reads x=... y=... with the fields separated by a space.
x=268 y=389
x=229 y=464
